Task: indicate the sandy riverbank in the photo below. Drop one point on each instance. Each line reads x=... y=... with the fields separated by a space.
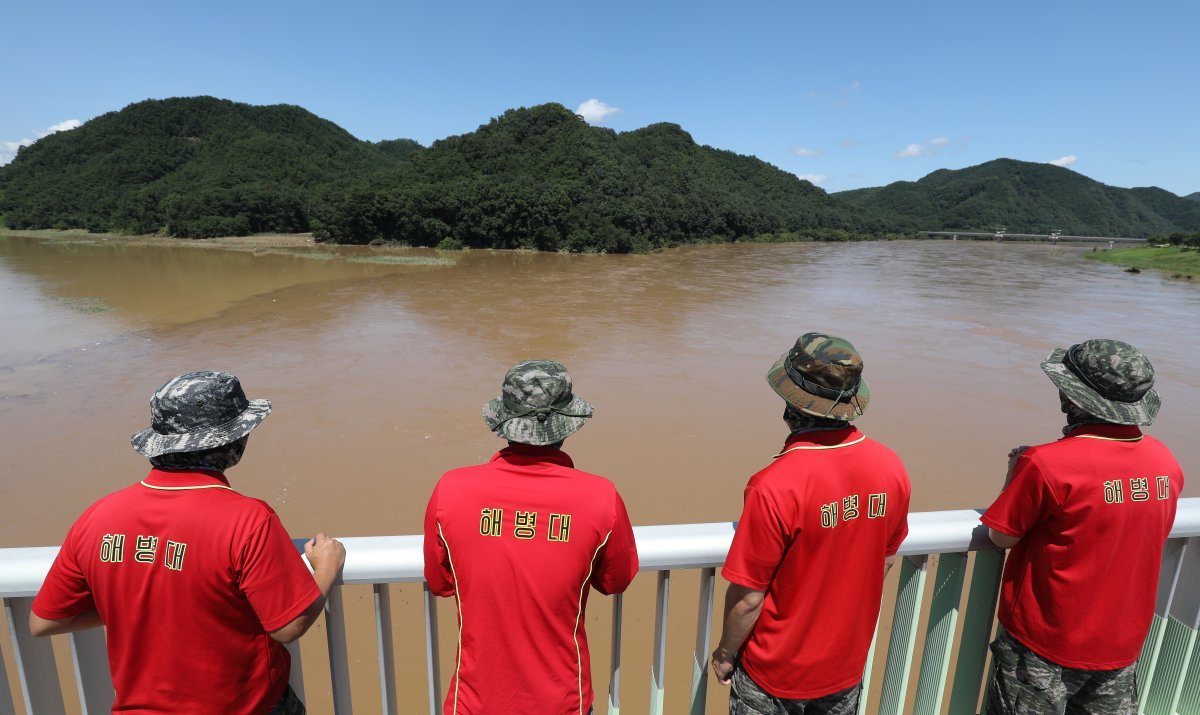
x=249 y=243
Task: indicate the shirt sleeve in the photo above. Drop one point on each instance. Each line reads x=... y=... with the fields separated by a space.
x=616 y=561
x=65 y=593
x=1026 y=500
x=900 y=529
x=273 y=576
x=759 y=544
x=438 y=572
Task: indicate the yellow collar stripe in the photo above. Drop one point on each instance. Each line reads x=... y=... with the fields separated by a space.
x=820 y=446
x=182 y=489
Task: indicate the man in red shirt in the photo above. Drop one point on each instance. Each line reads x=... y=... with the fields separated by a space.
x=517 y=541
x=819 y=529
x=198 y=586
x=1086 y=517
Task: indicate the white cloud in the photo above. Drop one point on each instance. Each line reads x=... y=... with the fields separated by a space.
x=940 y=141
x=817 y=179
x=60 y=127
x=805 y=151
x=1065 y=160
x=910 y=150
x=8 y=149
x=594 y=111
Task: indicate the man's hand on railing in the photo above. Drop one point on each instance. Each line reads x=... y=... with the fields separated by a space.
x=1013 y=455
x=327 y=557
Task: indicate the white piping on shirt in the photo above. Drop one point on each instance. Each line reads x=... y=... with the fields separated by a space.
x=181 y=489
x=820 y=446
x=579 y=616
x=458 y=603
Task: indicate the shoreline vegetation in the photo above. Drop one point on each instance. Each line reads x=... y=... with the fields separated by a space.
x=266 y=241
x=1176 y=261
x=244 y=243
x=1177 y=254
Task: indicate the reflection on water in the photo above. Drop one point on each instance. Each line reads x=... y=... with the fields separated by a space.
x=378 y=372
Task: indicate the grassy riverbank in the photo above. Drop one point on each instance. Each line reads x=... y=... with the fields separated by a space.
x=1174 y=260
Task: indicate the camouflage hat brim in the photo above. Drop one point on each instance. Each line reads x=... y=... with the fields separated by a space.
x=529 y=430
x=1142 y=412
x=149 y=443
x=816 y=405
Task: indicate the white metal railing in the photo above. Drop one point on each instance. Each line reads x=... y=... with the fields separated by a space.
x=1169 y=671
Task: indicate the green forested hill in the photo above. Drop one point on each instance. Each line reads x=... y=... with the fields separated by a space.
x=191 y=167
x=543 y=178
x=1026 y=198
x=537 y=177
x=1193 y=197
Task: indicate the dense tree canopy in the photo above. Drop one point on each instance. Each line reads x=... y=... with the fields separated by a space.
x=542 y=178
x=190 y=167
x=1026 y=198
x=536 y=177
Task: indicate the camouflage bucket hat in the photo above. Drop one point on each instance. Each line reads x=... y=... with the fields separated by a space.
x=198 y=411
x=822 y=376
x=536 y=405
x=1108 y=379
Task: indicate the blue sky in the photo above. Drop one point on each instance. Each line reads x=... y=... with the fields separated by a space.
x=848 y=94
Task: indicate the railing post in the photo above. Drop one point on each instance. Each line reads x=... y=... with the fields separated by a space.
x=614 y=677
x=433 y=664
x=865 y=693
x=89 y=657
x=1168 y=579
x=939 y=634
x=296 y=673
x=977 y=631
x=339 y=658
x=6 y=698
x=384 y=648
x=1179 y=637
x=35 y=662
x=909 y=593
x=658 y=665
x=708 y=584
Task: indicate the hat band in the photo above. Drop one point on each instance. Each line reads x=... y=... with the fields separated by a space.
x=541 y=414
x=1077 y=371
x=194 y=429
x=819 y=390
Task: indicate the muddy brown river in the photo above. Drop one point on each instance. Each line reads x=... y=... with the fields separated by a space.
x=378 y=364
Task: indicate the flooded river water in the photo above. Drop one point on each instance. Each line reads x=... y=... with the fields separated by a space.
x=378 y=371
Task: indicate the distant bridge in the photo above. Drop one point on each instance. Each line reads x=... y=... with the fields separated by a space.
x=1003 y=235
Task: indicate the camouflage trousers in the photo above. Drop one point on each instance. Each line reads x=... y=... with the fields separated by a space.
x=747 y=698
x=1024 y=683
x=289 y=704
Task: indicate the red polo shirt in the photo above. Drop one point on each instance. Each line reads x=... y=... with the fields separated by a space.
x=816 y=528
x=517 y=541
x=1092 y=511
x=189 y=577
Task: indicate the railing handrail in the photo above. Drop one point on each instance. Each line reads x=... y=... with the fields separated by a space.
x=398 y=559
